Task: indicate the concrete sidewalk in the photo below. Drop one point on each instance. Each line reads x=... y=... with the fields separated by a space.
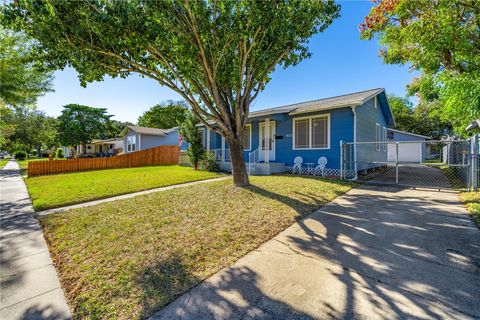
x=29 y=285
x=125 y=196
x=374 y=253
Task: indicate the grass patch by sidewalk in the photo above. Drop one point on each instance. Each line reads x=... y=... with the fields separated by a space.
x=128 y=258
x=65 y=189
x=472 y=202
x=23 y=164
x=3 y=162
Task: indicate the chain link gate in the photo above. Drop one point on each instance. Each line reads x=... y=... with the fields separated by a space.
x=439 y=164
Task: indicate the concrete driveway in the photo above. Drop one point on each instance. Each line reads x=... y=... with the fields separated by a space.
x=413 y=175
x=374 y=253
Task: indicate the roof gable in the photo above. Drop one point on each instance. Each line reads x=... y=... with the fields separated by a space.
x=145 y=130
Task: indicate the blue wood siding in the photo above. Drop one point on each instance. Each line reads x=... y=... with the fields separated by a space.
x=341 y=128
x=144 y=141
x=367 y=117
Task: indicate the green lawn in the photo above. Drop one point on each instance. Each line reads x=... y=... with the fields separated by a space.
x=3 y=162
x=126 y=259
x=64 y=189
x=23 y=164
x=472 y=201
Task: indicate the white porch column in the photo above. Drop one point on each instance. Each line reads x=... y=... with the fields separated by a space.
x=267 y=140
x=208 y=139
x=223 y=149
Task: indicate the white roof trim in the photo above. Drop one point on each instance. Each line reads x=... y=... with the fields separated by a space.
x=408 y=133
x=474 y=124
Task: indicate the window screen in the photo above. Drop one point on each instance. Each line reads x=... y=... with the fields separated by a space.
x=301 y=133
x=320 y=132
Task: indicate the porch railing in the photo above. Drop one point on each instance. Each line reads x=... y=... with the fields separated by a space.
x=253 y=157
x=221 y=154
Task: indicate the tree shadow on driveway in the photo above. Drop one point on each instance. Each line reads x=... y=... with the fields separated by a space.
x=404 y=253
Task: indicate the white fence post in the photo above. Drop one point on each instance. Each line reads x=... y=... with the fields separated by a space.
x=396 y=163
x=341 y=160
x=474 y=163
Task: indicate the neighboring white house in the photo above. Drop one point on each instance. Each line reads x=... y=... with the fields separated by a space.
x=137 y=138
x=98 y=148
x=412 y=147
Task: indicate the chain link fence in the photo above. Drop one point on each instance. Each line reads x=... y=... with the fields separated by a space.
x=442 y=164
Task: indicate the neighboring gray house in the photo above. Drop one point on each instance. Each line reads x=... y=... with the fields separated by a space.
x=140 y=138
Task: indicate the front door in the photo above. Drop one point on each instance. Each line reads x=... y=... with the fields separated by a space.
x=267 y=142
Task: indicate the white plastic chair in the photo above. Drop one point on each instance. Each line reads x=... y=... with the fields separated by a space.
x=297 y=165
x=322 y=163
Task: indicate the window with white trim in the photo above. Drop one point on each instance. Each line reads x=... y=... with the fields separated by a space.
x=375 y=102
x=202 y=137
x=311 y=132
x=384 y=139
x=131 y=143
x=377 y=137
x=247 y=137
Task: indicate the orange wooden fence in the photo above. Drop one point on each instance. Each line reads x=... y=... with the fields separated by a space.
x=163 y=155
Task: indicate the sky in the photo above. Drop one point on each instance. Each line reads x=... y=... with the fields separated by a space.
x=341 y=63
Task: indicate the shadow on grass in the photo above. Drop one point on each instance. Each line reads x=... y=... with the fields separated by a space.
x=163 y=282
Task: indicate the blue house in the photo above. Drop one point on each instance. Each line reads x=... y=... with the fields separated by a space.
x=275 y=137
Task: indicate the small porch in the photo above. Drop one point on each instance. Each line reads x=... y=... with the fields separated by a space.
x=255 y=166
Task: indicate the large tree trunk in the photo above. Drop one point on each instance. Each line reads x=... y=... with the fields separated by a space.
x=239 y=171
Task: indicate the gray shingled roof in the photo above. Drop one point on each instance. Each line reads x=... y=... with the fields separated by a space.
x=351 y=99
x=147 y=130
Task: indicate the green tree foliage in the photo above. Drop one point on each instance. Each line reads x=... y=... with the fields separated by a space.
x=6 y=126
x=113 y=128
x=217 y=55
x=29 y=129
x=59 y=154
x=191 y=133
x=164 y=115
x=441 y=40
x=79 y=125
x=424 y=119
x=22 y=80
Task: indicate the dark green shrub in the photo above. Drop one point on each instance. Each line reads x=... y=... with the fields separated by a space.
x=210 y=163
x=191 y=133
x=20 y=155
x=59 y=153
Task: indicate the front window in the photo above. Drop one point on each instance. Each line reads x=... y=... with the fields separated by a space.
x=202 y=137
x=247 y=137
x=384 y=139
x=312 y=133
x=131 y=143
